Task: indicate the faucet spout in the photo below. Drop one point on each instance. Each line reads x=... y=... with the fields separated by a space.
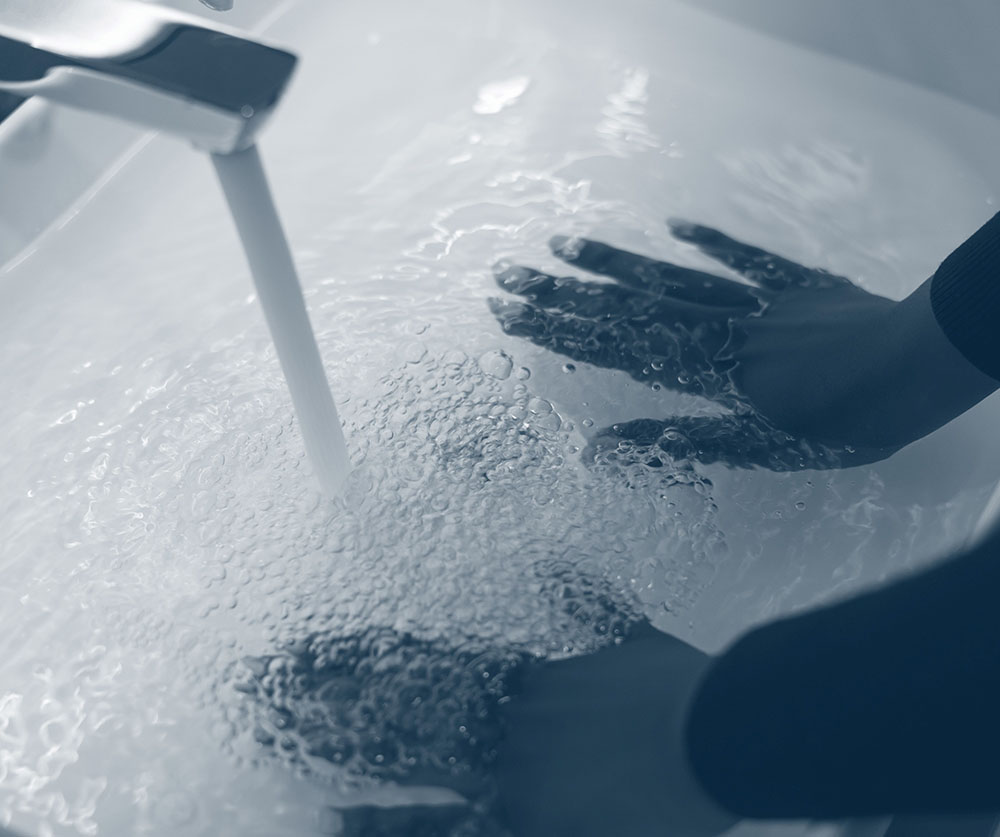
x=137 y=61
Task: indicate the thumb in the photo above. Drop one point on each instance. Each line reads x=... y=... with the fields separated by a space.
x=737 y=441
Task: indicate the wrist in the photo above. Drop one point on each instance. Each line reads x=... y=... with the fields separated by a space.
x=965 y=298
x=935 y=381
x=701 y=792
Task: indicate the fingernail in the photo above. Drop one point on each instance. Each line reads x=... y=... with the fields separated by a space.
x=501 y=307
x=515 y=278
x=566 y=247
x=682 y=229
x=502 y=272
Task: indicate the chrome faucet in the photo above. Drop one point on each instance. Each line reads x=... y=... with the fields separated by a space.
x=141 y=62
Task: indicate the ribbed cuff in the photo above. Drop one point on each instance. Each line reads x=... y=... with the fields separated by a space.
x=965 y=298
x=730 y=735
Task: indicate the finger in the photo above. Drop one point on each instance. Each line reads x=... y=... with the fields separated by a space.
x=652 y=276
x=641 y=629
x=683 y=360
x=575 y=337
x=738 y=441
x=379 y=821
x=566 y=294
x=766 y=269
x=465 y=783
x=605 y=301
x=634 y=443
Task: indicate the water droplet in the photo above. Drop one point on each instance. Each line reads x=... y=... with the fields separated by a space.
x=100 y=467
x=800 y=506
x=497 y=363
x=66 y=418
x=412 y=352
x=523 y=373
x=539 y=406
x=569 y=368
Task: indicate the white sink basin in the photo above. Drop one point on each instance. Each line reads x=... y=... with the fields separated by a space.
x=157 y=519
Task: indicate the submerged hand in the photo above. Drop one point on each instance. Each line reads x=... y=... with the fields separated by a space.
x=588 y=747
x=816 y=372
x=593 y=745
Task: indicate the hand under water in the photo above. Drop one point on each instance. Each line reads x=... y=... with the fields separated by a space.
x=594 y=745
x=589 y=746
x=814 y=371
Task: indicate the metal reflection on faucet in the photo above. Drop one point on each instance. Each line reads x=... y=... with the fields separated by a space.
x=209 y=84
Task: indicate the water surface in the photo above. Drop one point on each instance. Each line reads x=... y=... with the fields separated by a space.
x=167 y=561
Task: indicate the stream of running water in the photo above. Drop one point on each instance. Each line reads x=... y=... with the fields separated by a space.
x=252 y=206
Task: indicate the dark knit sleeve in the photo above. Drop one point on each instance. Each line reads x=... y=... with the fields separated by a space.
x=965 y=298
x=885 y=703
